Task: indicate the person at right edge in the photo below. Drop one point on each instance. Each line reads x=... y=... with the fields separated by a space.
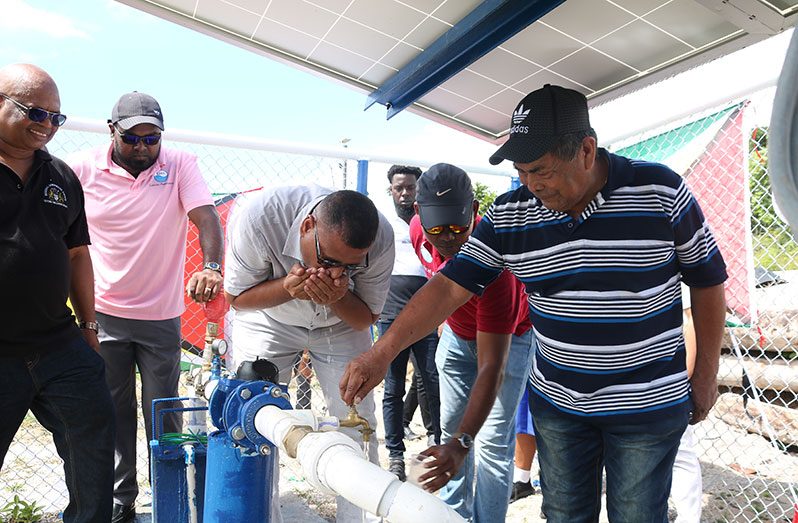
x=601 y=243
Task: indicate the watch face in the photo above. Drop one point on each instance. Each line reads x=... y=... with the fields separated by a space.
x=213 y=266
x=466 y=441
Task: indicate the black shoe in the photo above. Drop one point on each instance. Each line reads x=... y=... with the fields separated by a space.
x=521 y=490
x=396 y=466
x=123 y=514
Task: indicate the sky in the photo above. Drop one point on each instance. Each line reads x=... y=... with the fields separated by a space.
x=99 y=49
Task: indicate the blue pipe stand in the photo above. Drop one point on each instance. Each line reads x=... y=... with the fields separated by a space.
x=241 y=462
x=169 y=461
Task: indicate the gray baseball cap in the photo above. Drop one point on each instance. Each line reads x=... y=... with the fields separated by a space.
x=136 y=108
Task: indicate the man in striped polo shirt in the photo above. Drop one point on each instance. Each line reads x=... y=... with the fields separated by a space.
x=601 y=243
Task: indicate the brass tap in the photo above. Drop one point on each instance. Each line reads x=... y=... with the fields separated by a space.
x=211 y=330
x=353 y=419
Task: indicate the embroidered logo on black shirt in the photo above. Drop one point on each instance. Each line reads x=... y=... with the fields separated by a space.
x=55 y=195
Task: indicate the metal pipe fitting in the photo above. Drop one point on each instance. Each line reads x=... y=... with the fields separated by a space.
x=353 y=419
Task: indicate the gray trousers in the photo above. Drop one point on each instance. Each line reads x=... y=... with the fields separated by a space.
x=153 y=347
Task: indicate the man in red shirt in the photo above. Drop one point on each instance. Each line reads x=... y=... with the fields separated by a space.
x=483 y=357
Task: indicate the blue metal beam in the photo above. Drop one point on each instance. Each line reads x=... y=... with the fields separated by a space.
x=486 y=27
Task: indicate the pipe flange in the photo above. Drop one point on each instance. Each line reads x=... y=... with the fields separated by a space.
x=251 y=407
x=218 y=400
x=234 y=401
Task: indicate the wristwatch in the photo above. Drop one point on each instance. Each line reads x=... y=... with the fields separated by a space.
x=213 y=266
x=91 y=325
x=465 y=440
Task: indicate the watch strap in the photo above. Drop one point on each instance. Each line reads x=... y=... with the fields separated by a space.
x=91 y=325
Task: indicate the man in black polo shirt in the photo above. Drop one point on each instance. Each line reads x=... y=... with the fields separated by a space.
x=48 y=363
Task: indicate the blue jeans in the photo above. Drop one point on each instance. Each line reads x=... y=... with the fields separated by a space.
x=638 y=459
x=423 y=354
x=494 y=446
x=66 y=391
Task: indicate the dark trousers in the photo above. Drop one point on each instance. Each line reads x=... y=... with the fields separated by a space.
x=423 y=352
x=152 y=346
x=417 y=398
x=65 y=389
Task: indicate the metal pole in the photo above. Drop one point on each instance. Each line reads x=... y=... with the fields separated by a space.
x=363 y=177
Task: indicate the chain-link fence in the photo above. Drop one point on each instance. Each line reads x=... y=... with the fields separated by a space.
x=748 y=447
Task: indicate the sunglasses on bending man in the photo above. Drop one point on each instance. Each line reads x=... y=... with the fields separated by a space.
x=329 y=263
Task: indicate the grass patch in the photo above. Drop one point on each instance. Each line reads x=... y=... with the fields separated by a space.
x=776 y=250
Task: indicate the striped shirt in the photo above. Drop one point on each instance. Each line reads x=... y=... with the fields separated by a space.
x=603 y=289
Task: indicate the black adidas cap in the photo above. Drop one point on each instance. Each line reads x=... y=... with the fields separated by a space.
x=539 y=120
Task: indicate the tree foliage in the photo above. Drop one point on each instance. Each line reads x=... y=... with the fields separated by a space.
x=774 y=247
x=484 y=196
x=763 y=215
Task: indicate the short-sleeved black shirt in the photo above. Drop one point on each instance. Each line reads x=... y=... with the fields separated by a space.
x=39 y=222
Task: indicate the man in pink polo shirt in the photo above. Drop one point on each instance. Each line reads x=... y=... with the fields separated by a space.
x=139 y=198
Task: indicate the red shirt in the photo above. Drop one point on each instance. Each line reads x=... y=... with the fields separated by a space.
x=501 y=309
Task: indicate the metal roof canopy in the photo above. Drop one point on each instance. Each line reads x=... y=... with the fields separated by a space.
x=466 y=63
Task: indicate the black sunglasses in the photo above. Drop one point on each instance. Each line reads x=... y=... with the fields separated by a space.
x=134 y=139
x=328 y=262
x=37 y=114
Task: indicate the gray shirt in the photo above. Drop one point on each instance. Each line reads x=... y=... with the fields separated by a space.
x=264 y=245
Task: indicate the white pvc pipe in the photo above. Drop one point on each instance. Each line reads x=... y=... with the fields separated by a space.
x=783 y=138
x=191 y=482
x=336 y=465
x=314 y=421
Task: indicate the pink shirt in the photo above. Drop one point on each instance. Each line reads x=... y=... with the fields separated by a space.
x=138 y=230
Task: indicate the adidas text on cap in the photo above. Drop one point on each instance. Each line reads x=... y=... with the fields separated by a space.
x=539 y=120
x=444 y=196
x=136 y=108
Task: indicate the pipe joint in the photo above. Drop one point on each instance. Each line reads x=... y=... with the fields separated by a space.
x=293 y=437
